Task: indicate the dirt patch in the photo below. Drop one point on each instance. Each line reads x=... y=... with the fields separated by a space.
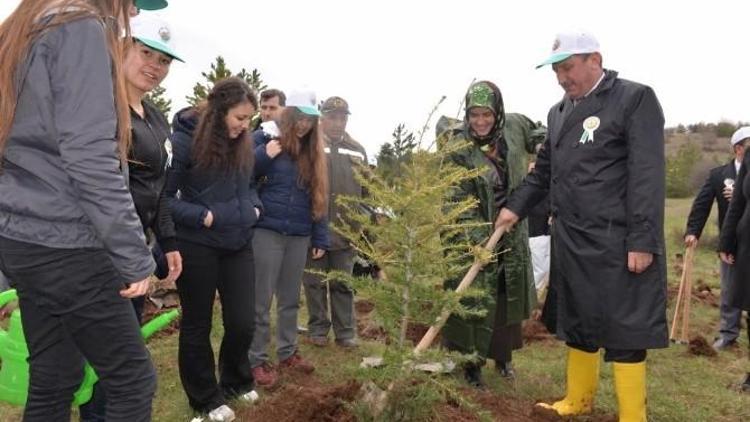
x=534 y=330
x=370 y=331
x=703 y=293
x=699 y=346
x=304 y=398
x=415 y=331
x=364 y=306
x=502 y=408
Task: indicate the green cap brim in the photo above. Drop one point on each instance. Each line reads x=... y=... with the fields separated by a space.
x=151 y=4
x=161 y=47
x=309 y=110
x=555 y=58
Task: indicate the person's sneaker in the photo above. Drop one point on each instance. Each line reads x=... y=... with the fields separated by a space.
x=318 y=341
x=347 y=343
x=722 y=344
x=222 y=413
x=505 y=369
x=296 y=362
x=265 y=375
x=745 y=386
x=250 y=397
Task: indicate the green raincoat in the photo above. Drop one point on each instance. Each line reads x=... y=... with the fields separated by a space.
x=520 y=136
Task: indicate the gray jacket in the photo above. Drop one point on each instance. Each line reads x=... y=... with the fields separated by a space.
x=343 y=157
x=61 y=184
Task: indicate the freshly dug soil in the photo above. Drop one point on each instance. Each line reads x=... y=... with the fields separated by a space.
x=699 y=346
x=534 y=330
x=303 y=398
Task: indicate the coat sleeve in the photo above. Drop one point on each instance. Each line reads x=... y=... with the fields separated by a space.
x=320 y=238
x=535 y=185
x=86 y=123
x=465 y=189
x=262 y=161
x=728 y=237
x=646 y=174
x=185 y=213
x=535 y=133
x=164 y=225
x=701 y=208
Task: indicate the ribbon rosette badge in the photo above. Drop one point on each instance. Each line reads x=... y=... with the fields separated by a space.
x=589 y=126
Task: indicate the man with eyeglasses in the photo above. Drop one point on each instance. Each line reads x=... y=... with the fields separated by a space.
x=719 y=186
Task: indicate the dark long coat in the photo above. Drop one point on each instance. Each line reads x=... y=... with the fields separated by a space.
x=607 y=199
x=735 y=238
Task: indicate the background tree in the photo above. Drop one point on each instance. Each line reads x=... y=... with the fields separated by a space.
x=393 y=154
x=158 y=98
x=219 y=71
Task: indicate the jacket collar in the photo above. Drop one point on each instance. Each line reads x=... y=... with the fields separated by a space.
x=589 y=106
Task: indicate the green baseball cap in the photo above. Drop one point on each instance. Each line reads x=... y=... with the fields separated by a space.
x=154 y=33
x=151 y=4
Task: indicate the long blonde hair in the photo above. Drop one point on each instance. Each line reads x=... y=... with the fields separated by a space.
x=26 y=24
x=309 y=156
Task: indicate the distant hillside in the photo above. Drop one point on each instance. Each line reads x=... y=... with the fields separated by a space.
x=693 y=151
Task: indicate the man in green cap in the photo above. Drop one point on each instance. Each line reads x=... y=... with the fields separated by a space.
x=344 y=155
x=498 y=143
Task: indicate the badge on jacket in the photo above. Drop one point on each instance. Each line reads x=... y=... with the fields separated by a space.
x=589 y=126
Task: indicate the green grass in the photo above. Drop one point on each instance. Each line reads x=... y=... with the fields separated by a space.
x=681 y=387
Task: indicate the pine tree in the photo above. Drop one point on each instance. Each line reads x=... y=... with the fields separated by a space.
x=158 y=98
x=391 y=156
x=219 y=71
x=414 y=244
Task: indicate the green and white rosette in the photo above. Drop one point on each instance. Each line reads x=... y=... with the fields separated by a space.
x=590 y=125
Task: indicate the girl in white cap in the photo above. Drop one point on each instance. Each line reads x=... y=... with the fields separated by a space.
x=294 y=193
x=148 y=56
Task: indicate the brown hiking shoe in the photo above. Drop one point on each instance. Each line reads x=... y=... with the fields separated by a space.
x=296 y=362
x=265 y=375
x=318 y=341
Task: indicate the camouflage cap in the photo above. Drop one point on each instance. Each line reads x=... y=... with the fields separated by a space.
x=335 y=104
x=480 y=95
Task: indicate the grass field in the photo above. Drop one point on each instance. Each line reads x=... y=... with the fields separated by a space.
x=681 y=387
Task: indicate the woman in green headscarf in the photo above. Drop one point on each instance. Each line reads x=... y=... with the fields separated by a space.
x=499 y=143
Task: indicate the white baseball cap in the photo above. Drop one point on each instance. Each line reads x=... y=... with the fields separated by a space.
x=570 y=43
x=740 y=135
x=304 y=100
x=154 y=32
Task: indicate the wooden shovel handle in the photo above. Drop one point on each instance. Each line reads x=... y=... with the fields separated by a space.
x=430 y=335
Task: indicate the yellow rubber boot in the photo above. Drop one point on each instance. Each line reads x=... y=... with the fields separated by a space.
x=583 y=379
x=630 y=384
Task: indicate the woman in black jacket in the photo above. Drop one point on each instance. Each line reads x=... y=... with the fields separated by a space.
x=214 y=213
x=148 y=57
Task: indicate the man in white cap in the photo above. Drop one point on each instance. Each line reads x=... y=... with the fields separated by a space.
x=603 y=165
x=719 y=186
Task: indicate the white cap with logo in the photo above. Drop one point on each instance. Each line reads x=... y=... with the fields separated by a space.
x=570 y=43
x=740 y=135
x=304 y=100
x=153 y=32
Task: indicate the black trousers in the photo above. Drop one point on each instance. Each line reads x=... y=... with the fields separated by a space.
x=614 y=355
x=205 y=271
x=505 y=337
x=71 y=310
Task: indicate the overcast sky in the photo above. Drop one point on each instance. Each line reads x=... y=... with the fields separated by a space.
x=393 y=60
